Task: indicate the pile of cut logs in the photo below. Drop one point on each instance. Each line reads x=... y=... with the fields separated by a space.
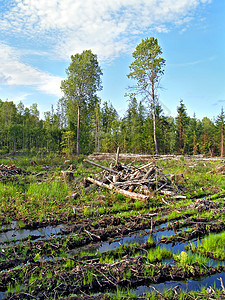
x=6 y=171
x=140 y=183
x=144 y=157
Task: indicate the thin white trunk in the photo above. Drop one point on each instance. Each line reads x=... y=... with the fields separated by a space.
x=78 y=130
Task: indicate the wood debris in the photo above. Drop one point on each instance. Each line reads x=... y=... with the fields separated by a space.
x=218 y=170
x=8 y=171
x=67 y=176
x=135 y=182
x=147 y=157
x=205 y=204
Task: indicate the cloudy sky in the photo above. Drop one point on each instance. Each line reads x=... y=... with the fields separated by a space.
x=37 y=38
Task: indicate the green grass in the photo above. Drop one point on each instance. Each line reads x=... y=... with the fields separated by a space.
x=158 y=254
x=28 y=200
x=188 y=258
x=214 y=245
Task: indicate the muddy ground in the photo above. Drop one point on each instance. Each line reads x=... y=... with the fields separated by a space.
x=89 y=256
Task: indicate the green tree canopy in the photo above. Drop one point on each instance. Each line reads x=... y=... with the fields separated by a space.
x=80 y=87
x=181 y=124
x=147 y=69
x=220 y=122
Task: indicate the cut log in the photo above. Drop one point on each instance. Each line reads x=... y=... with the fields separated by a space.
x=135 y=182
x=131 y=195
x=67 y=176
x=179 y=197
x=100 y=166
x=99 y=183
x=117 y=155
x=146 y=166
x=149 y=173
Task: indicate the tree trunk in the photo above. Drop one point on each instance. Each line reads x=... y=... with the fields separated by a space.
x=222 y=141
x=131 y=195
x=78 y=130
x=154 y=120
x=181 y=143
x=154 y=129
x=14 y=144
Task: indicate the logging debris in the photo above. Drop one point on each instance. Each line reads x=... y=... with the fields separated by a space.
x=148 y=157
x=140 y=183
x=8 y=171
x=218 y=170
x=205 y=204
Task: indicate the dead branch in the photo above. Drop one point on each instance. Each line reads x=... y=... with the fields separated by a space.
x=222 y=285
x=100 y=166
x=92 y=234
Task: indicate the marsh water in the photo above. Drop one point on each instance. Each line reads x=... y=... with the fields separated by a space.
x=13 y=234
x=187 y=285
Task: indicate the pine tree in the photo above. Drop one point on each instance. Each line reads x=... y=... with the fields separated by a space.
x=181 y=126
x=147 y=69
x=220 y=122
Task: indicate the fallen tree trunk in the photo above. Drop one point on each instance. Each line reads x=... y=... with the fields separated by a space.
x=8 y=154
x=100 y=166
x=131 y=195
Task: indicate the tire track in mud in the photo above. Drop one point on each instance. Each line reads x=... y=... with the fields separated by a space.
x=85 y=233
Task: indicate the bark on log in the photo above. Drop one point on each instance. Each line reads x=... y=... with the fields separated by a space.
x=100 y=166
x=148 y=157
x=131 y=195
x=117 y=155
x=150 y=172
x=135 y=182
x=146 y=166
x=67 y=176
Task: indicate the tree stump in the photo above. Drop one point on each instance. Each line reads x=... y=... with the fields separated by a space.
x=67 y=176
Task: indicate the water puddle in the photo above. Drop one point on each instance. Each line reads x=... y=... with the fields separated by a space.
x=3 y=295
x=11 y=226
x=16 y=235
x=140 y=237
x=188 y=285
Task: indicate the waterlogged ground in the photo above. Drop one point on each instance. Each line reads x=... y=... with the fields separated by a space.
x=106 y=246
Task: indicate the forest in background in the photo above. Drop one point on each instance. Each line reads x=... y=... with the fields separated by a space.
x=103 y=130
x=82 y=124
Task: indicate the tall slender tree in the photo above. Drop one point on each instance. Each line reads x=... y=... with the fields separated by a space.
x=81 y=86
x=181 y=124
x=147 y=68
x=220 y=122
x=208 y=137
x=109 y=123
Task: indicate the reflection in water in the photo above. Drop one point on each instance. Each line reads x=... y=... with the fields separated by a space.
x=13 y=234
x=140 y=237
x=188 y=285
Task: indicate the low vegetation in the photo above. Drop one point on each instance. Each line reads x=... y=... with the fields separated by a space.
x=103 y=244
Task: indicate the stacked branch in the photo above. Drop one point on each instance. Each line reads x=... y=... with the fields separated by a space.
x=11 y=173
x=9 y=169
x=139 y=183
x=147 y=157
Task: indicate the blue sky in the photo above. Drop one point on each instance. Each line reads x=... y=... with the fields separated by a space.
x=37 y=38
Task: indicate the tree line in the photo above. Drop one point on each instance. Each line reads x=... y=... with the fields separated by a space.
x=82 y=123
x=102 y=130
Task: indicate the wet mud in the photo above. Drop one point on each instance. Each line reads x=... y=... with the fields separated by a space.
x=85 y=256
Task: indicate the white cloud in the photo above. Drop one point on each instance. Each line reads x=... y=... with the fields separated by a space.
x=107 y=27
x=14 y=72
x=196 y=62
x=21 y=97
